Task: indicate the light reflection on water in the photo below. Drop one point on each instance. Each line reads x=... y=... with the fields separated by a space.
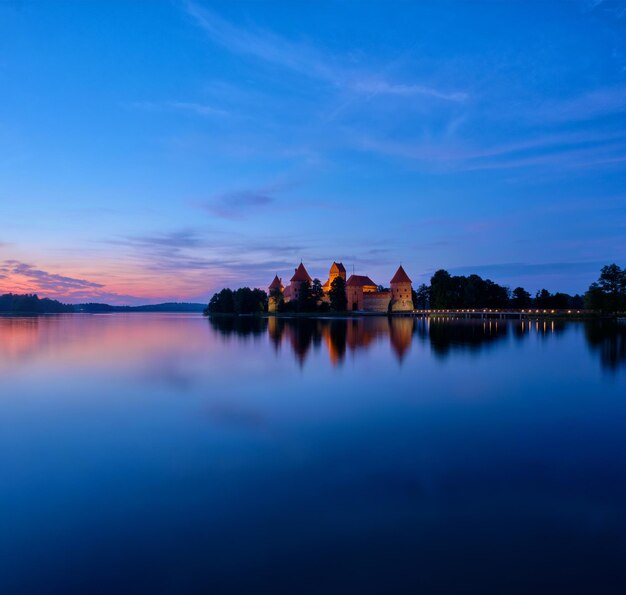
x=169 y=453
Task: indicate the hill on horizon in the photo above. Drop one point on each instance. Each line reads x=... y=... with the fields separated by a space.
x=32 y=304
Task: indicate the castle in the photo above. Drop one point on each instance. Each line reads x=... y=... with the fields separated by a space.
x=362 y=294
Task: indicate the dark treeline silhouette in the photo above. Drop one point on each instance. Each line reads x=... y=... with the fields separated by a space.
x=459 y=292
x=11 y=303
x=95 y=308
x=31 y=304
x=608 y=293
x=240 y=301
x=447 y=291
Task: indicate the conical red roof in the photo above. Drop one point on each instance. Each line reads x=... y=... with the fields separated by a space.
x=400 y=276
x=276 y=283
x=301 y=274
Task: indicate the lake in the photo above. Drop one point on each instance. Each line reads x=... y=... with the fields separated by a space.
x=155 y=453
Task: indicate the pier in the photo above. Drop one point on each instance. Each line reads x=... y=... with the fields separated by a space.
x=498 y=314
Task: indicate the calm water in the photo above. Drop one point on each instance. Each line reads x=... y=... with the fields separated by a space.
x=170 y=454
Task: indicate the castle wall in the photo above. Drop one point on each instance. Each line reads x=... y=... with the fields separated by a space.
x=354 y=297
x=376 y=301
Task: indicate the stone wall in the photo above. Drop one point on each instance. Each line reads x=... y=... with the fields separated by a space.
x=376 y=301
x=354 y=295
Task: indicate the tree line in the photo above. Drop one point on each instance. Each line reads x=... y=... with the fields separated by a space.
x=607 y=294
x=239 y=301
x=31 y=304
x=255 y=301
x=448 y=292
x=12 y=303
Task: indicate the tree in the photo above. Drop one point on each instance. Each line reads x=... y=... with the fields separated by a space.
x=249 y=301
x=441 y=290
x=241 y=301
x=466 y=292
x=521 y=298
x=612 y=280
x=542 y=299
x=609 y=292
x=317 y=291
x=421 y=297
x=306 y=301
x=560 y=301
x=495 y=296
x=221 y=303
x=337 y=295
x=594 y=298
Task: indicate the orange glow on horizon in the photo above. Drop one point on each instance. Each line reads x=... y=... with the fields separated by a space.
x=73 y=285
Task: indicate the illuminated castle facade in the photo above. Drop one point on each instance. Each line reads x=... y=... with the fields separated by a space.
x=362 y=294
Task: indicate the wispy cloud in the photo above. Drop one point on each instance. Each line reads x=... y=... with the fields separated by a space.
x=171 y=240
x=194 y=108
x=307 y=60
x=196 y=263
x=586 y=106
x=590 y=5
x=375 y=87
x=238 y=205
x=21 y=277
x=262 y=44
x=580 y=149
x=45 y=281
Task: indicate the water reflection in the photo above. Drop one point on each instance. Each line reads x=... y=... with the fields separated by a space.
x=167 y=453
x=607 y=338
x=241 y=326
x=339 y=336
x=444 y=336
x=83 y=339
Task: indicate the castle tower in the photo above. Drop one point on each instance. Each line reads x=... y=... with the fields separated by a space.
x=401 y=292
x=356 y=288
x=272 y=303
x=336 y=270
x=299 y=277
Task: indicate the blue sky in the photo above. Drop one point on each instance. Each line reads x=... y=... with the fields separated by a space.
x=162 y=150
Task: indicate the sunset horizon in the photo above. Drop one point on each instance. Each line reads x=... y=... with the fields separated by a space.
x=244 y=141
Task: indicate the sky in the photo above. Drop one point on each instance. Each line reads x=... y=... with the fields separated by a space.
x=160 y=151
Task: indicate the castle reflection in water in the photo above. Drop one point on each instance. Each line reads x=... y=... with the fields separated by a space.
x=342 y=336
x=338 y=336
